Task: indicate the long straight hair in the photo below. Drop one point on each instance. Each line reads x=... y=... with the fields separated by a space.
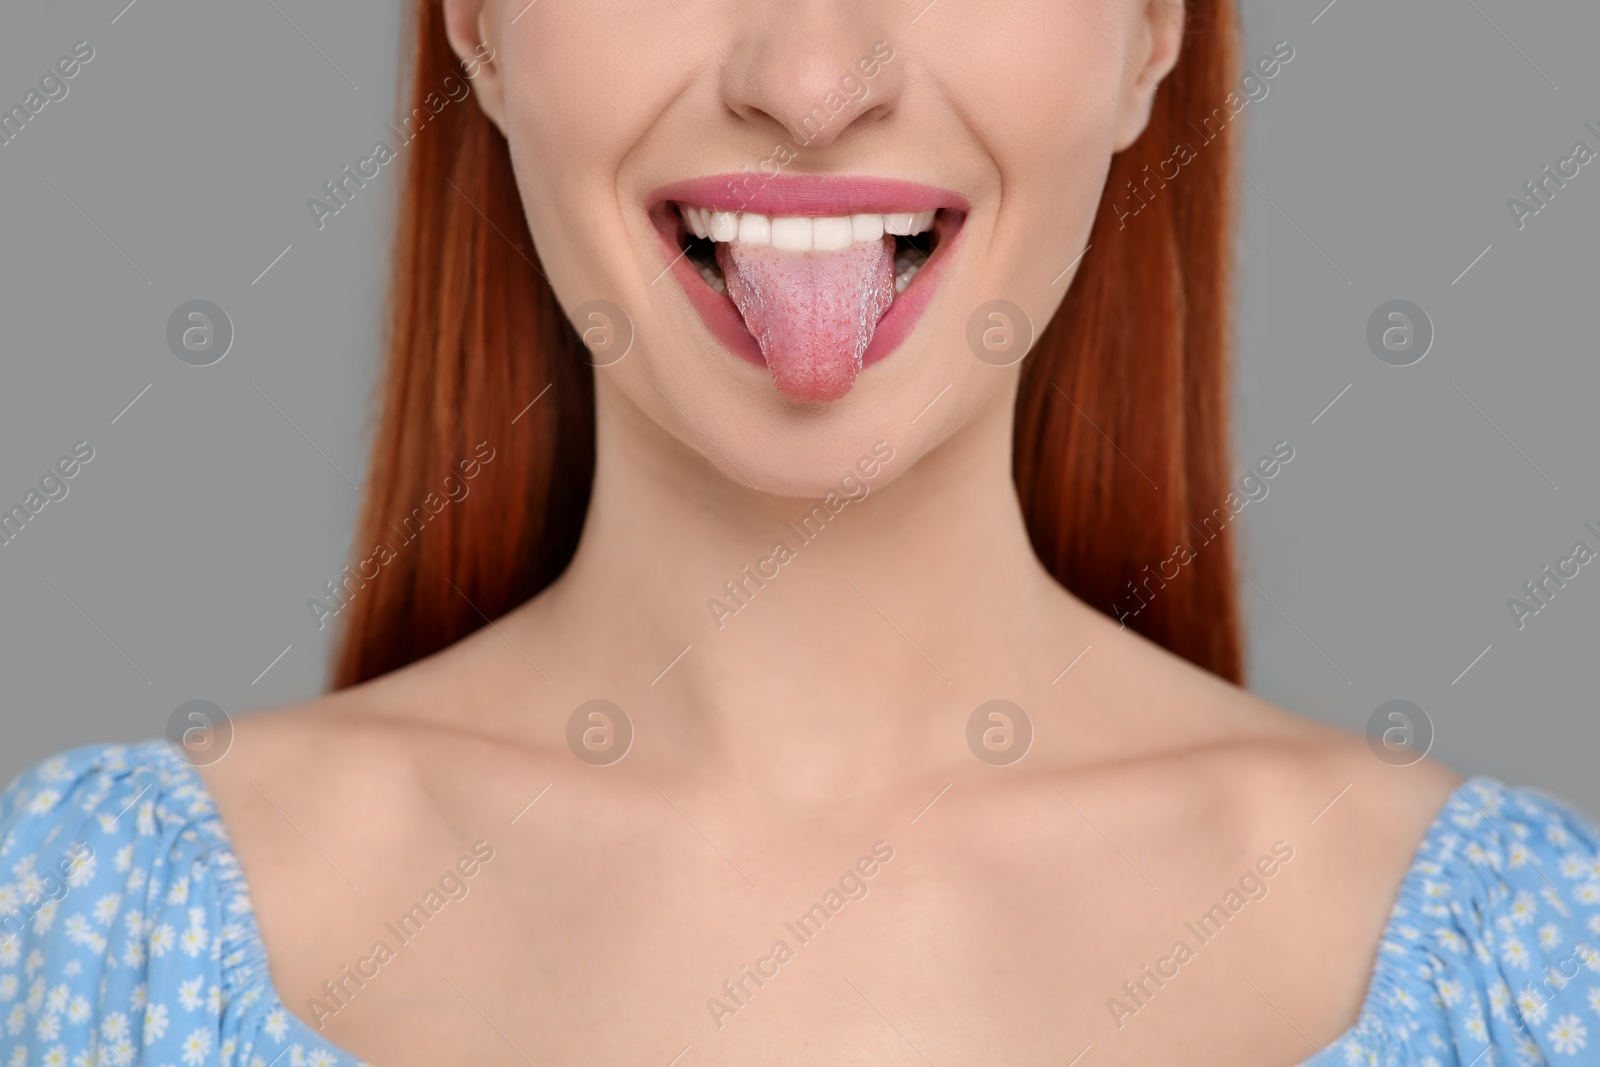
x=1121 y=439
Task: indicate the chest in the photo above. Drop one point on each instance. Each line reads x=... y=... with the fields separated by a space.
x=919 y=947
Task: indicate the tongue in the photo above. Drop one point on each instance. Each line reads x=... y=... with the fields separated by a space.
x=812 y=313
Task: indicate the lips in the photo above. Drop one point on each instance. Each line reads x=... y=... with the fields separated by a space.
x=814 y=278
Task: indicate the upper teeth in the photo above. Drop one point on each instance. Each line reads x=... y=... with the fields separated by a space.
x=799 y=234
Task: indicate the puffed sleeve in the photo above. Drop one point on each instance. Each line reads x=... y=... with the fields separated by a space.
x=1490 y=955
x=125 y=933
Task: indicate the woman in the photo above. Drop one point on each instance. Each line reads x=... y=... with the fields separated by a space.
x=714 y=693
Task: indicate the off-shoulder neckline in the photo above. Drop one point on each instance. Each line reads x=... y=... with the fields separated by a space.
x=1386 y=972
x=1379 y=977
x=252 y=943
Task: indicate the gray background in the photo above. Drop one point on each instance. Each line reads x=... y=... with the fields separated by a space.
x=1380 y=563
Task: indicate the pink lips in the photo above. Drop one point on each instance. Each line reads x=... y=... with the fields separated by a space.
x=792 y=194
x=807 y=196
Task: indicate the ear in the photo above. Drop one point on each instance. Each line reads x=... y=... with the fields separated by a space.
x=465 y=24
x=1156 y=37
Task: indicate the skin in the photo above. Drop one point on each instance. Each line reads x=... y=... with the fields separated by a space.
x=830 y=711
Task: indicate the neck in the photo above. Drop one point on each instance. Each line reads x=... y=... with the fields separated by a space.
x=810 y=636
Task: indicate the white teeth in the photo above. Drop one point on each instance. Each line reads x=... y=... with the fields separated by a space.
x=755 y=230
x=791 y=235
x=799 y=234
x=803 y=234
x=900 y=225
x=830 y=235
x=903 y=279
x=907 y=224
x=906 y=265
x=695 y=219
x=866 y=227
x=724 y=226
x=713 y=278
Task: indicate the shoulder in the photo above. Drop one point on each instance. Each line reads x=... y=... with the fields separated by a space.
x=357 y=771
x=1235 y=758
x=1222 y=783
x=1438 y=917
x=316 y=793
x=386 y=753
x=335 y=806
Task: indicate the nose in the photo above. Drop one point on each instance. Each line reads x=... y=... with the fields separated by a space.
x=817 y=68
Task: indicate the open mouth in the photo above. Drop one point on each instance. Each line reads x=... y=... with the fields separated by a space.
x=915 y=237
x=803 y=278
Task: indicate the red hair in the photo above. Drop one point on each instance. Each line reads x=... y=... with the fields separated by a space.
x=1121 y=418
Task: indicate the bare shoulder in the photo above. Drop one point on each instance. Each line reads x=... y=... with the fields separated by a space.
x=1224 y=747
x=386 y=737
x=1273 y=783
x=384 y=756
x=1285 y=768
x=1353 y=821
x=1239 y=774
x=1209 y=782
x=337 y=806
x=1265 y=767
x=1353 y=825
x=314 y=791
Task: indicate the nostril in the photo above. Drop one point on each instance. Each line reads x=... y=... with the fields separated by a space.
x=812 y=84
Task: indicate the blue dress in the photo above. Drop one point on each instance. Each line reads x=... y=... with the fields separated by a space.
x=127 y=938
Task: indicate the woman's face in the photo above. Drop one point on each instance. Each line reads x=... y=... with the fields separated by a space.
x=810 y=155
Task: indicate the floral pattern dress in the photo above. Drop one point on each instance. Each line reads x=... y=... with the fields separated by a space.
x=127 y=938
x=126 y=935
x=1487 y=957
